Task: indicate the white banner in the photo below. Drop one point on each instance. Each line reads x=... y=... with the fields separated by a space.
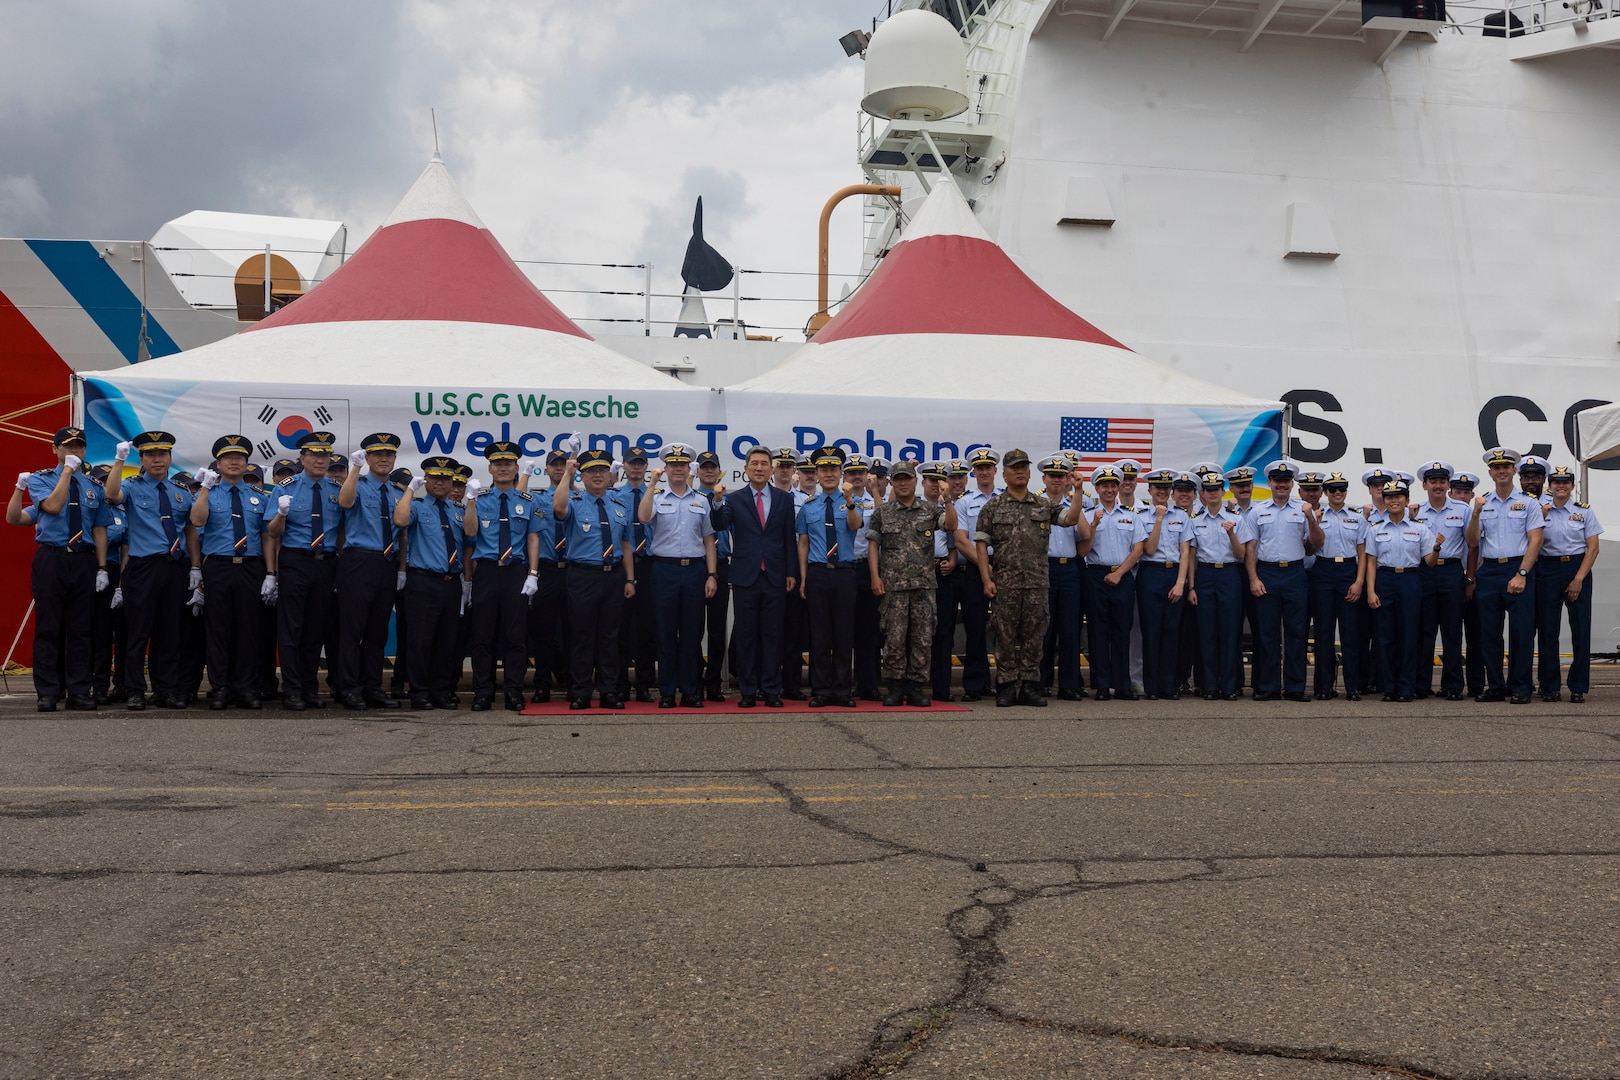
x=461 y=422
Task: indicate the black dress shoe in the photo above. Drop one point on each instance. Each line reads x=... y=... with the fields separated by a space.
x=579 y=703
x=1423 y=693
x=1577 y=699
x=1326 y=695
x=1071 y=695
x=1454 y=695
x=1030 y=694
x=746 y=701
x=1104 y=695
x=817 y=701
x=100 y=697
x=316 y=702
x=1006 y=695
x=1231 y=697
x=1212 y=697
x=691 y=701
x=667 y=701
x=1406 y=699
x=1351 y=695
x=791 y=695
x=352 y=701
x=969 y=695
x=136 y=702
x=1519 y=699
x=540 y=697
x=445 y=701
x=481 y=703
x=421 y=703
x=293 y=703
x=1150 y=697
x=79 y=703
x=774 y=701
x=249 y=702
x=46 y=703
x=645 y=693
x=514 y=701
x=714 y=695
x=1552 y=697
x=1389 y=697
x=1127 y=695
x=1492 y=695
x=612 y=701
x=1294 y=695
x=1272 y=696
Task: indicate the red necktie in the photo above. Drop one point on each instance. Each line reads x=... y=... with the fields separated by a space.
x=759 y=504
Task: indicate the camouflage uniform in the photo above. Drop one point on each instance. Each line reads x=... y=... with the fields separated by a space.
x=1018 y=529
x=905 y=539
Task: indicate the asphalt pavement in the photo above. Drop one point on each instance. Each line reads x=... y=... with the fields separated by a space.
x=1152 y=889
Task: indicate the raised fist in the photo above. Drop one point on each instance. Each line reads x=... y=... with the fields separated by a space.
x=284 y=503
x=719 y=489
x=654 y=477
x=121 y=453
x=418 y=483
x=208 y=478
x=358 y=459
x=473 y=488
x=22 y=481
x=72 y=462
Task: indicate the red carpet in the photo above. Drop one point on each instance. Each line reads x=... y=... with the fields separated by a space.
x=729 y=708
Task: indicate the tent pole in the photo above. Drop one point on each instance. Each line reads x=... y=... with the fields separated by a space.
x=266 y=314
x=736 y=303
x=646 y=305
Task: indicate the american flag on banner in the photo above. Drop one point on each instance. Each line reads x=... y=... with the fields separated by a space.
x=1103 y=440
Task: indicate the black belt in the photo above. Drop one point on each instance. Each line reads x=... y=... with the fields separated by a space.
x=434 y=574
x=1503 y=562
x=497 y=563
x=68 y=550
x=1100 y=566
x=316 y=555
x=1336 y=558
x=1217 y=565
x=1164 y=565
x=604 y=567
x=1284 y=564
x=236 y=558
x=1446 y=562
x=362 y=550
x=672 y=561
x=834 y=565
x=1399 y=569
x=1058 y=560
x=1562 y=558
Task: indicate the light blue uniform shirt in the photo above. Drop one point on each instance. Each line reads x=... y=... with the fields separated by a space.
x=299 y=533
x=1505 y=525
x=1450 y=521
x=520 y=507
x=812 y=522
x=1114 y=536
x=967 y=513
x=52 y=529
x=143 y=517
x=679 y=524
x=1177 y=528
x=1210 y=539
x=1280 y=531
x=867 y=505
x=427 y=549
x=219 y=538
x=1400 y=544
x=1062 y=540
x=630 y=498
x=1342 y=530
x=722 y=538
x=1567 y=529
x=117 y=530
x=363 y=522
x=582 y=528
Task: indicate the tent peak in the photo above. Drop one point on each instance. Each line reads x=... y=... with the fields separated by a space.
x=945 y=213
x=434 y=196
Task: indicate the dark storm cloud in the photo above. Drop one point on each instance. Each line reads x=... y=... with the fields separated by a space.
x=230 y=106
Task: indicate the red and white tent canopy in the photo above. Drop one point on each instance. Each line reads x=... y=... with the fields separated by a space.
x=431 y=299
x=947 y=314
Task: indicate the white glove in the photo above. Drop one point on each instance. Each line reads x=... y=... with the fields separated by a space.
x=358 y=459
x=466 y=595
x=531 y=585
x=22 y=481
x=399 y=581
x=121 y=454
x=473 y=488
x=571 y=445
x=283 y=503
x=615 y=472
x=117 y=597
x=531 y=466
x=207 y=478
x=194 y=579
x=72 y=462
x=418 y=482
x=102 y=581
x=196 y=602
x=269 y=590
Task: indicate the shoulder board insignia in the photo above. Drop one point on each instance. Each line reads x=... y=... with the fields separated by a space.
x=525 y=496
x=287 y=482
x=42 y=472
x=1584 y=506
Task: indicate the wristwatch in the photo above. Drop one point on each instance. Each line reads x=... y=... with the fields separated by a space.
x=1523 y=572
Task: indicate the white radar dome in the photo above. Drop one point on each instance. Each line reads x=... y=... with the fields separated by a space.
x=916 y=69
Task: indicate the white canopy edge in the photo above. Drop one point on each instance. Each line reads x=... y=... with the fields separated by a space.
x=990 y=368
x=434 y=195
x=406 y=353
x=1599 y=430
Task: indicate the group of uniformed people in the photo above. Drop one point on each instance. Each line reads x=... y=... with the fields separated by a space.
x=594 y=569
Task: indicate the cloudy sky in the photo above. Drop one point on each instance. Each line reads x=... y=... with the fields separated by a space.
x=579 y=130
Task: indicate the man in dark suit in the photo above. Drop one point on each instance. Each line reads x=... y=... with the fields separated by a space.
x=764 y=556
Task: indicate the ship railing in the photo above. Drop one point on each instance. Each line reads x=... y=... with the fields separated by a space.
x=1496 y=18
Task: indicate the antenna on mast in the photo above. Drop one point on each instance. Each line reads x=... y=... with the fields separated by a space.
x=433 y=117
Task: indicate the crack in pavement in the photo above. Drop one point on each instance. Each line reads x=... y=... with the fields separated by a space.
x=864 y=743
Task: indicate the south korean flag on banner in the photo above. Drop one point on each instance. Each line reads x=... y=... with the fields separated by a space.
x=277 y=425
